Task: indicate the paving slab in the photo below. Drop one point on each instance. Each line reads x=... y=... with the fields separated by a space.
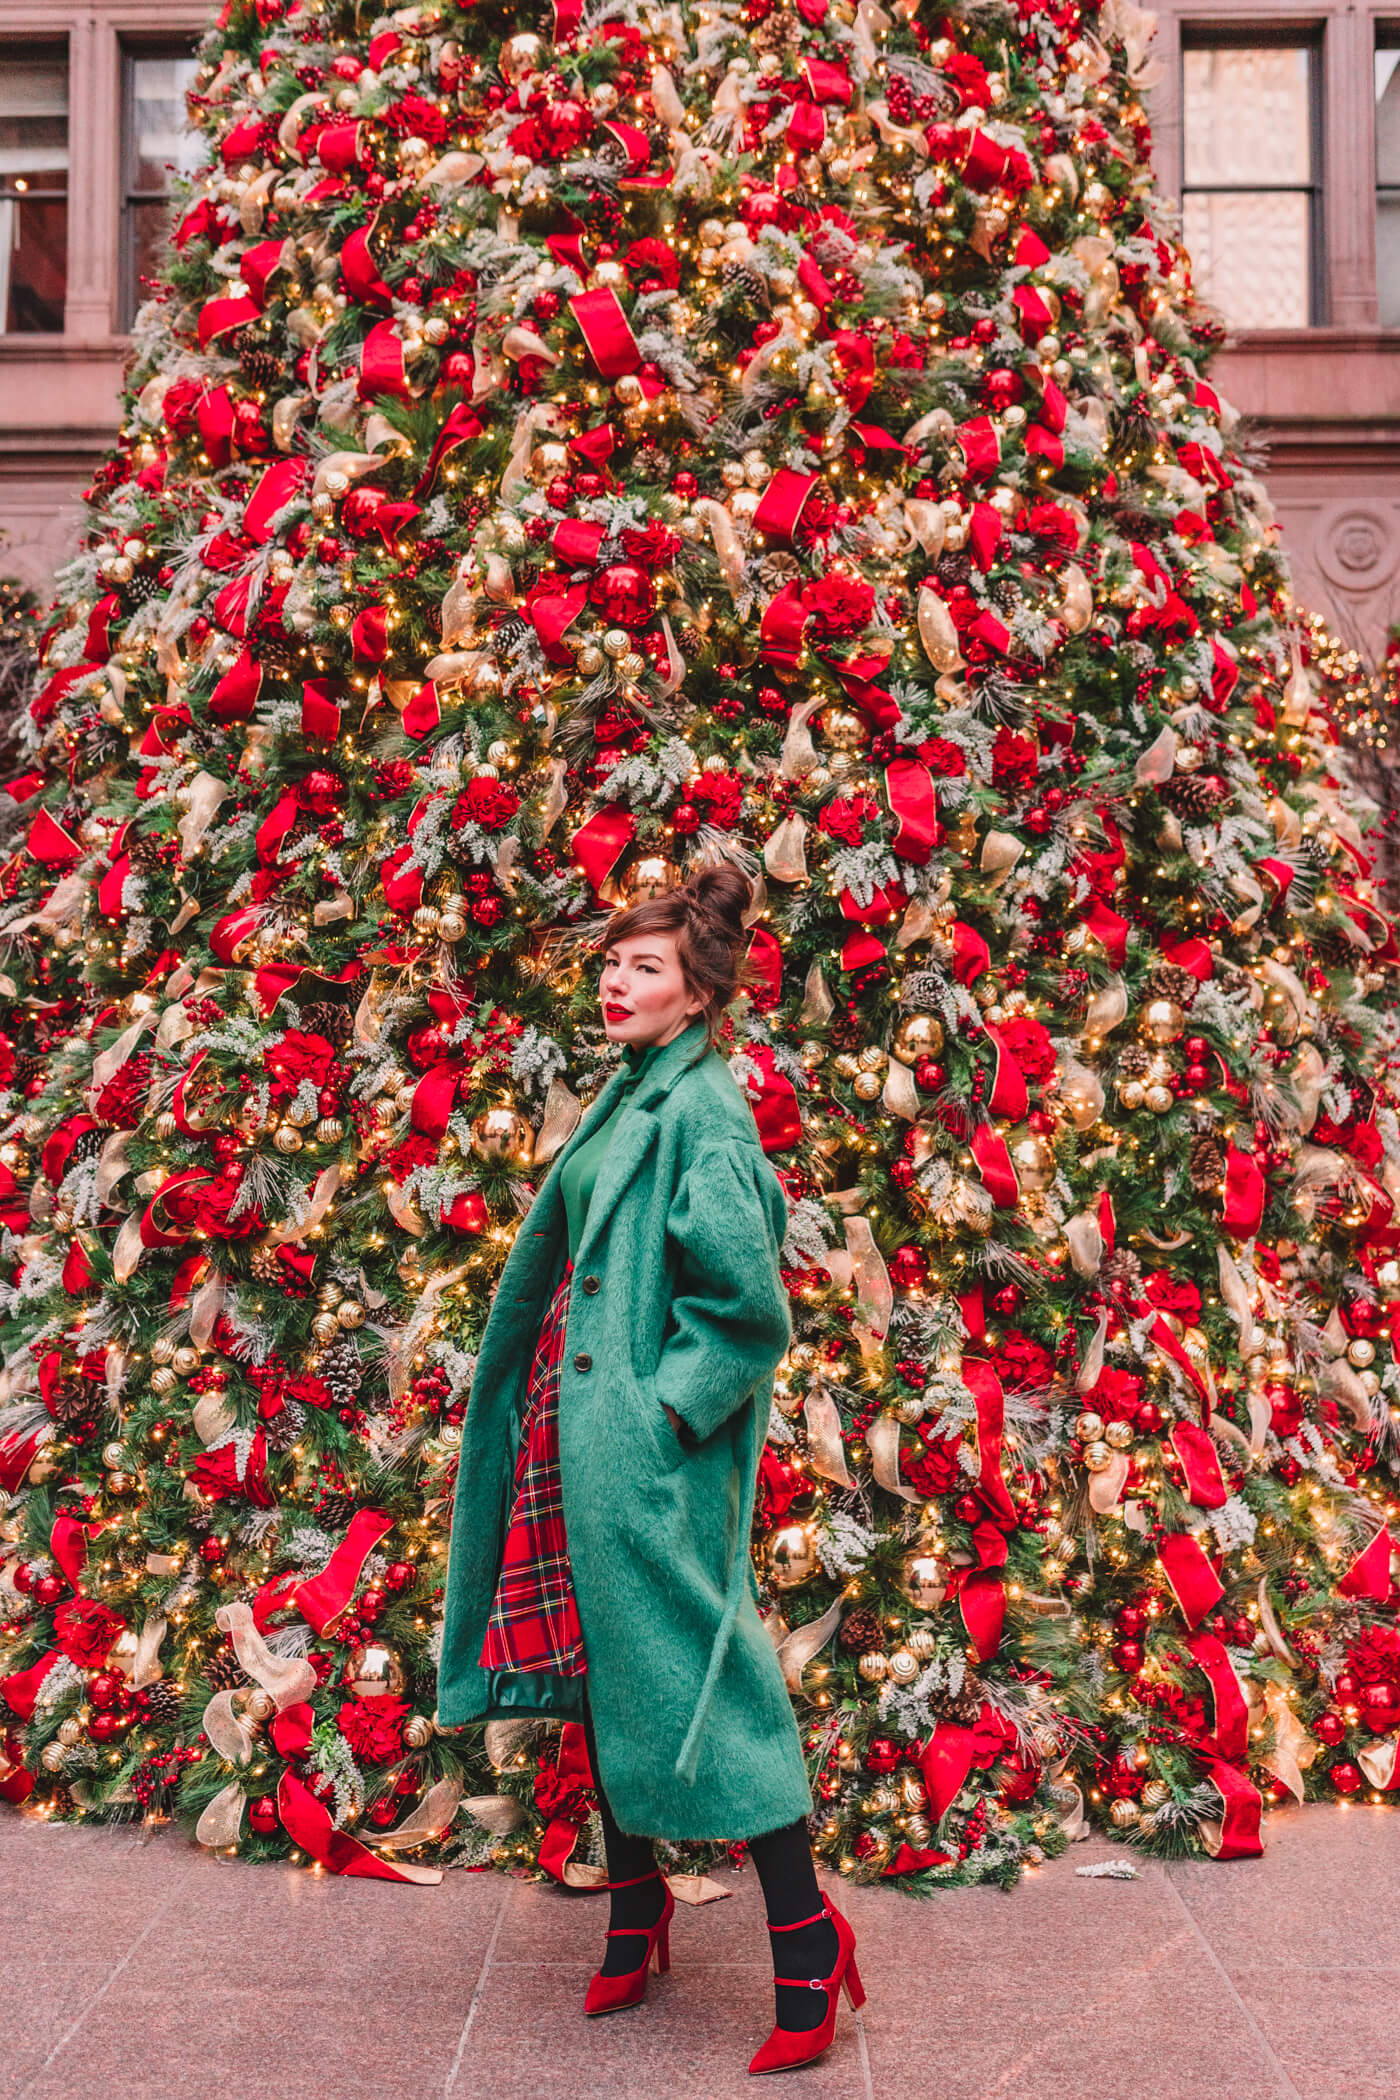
x=136 y=1967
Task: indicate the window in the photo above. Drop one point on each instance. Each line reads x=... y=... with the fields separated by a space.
x=1251 y=197
x=33 y=191
x=154 y=142
x=1388 y=177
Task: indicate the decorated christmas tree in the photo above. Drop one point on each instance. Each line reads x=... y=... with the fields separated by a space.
x=564 y=448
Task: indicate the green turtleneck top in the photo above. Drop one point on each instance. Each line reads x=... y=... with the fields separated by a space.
x=580 y=1170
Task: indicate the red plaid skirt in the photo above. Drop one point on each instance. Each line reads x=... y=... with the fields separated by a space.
x=534 y=1623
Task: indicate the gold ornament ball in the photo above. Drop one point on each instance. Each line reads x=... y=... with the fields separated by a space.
x=1118 y=1435
x=287 y=1139
x=589 y=661
x=616 y=642
x=650 y=875
x=350 y=1313
x=918 y=1035
x=166 y=1125
x=1098 y=1456
x=426 y=920
x=162 y=1349
x=874 y=1665
x=451 y=927
x=300 y=1117
x=330 y=1130
x=499 y=1133
x=70 y=1731
x=1159 y=1099
x=904 y=1666
x=921 y=1641
x=923 y=1578
x=113 y=1455
x=53 y=1757
x=375 y=1667
x=1156 y=1794
x=918 y=1830
x=1132 y=1094
x=1034 y=1162
x=1088 y=1426
x=882 y=1801
x=868 y=1086
x=162 y=1379
x=1361 y=1353
x=844 y=729
x=325 y=1327
x=259 y=1705
x=418 y=1731
x=186 y=1360
x=548 y=462
x=792 y=1556
x=1124 y=1814
x=1163 y=1020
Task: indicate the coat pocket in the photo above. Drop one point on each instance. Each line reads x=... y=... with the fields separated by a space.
x=667 y=1445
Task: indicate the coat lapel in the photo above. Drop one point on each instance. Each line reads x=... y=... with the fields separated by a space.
x=637 y=1128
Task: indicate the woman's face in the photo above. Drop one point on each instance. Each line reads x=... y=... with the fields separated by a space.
x=643 y=991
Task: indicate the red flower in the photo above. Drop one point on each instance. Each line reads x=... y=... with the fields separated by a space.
x=486 y=802
x=204 y=1206
x=935 y=1470
x=654 y=547
x=843 y=818
x=942 y=756
x=969 y=76
x=1116 y=1395
x=724 y=793
x=840 y=606
x=1014 y=761
x=298 y=1057
x=373 y=1727
x=648 y=258
x=1030 y=1046
x=1169 y=1294
x=1021 y=1362
x=85 y=1630
x=413 y=116
x=1048 y=522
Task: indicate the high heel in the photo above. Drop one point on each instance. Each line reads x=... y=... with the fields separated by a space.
x=607 y=1994
x=786 y=2047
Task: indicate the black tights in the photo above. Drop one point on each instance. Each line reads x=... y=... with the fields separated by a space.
x=783 y=1860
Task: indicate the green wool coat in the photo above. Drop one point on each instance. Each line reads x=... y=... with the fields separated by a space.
x=676 y=1299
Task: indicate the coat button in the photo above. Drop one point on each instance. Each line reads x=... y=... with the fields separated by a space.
x=583 y=1361
x=592 y=1284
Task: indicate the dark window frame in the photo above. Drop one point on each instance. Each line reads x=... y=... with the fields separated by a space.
x=132 y=50
x=52 y=50
x=1271 y=34
x=1387 y=38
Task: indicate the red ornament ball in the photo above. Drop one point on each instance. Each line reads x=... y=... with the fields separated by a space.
x=262 y=1815
x=1345 y=1777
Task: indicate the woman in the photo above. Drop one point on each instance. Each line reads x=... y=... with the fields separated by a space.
x=599 y=1566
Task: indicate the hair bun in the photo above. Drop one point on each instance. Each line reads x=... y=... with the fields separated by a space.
x=722 y=894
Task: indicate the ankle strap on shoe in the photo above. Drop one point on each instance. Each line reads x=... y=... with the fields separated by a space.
x=822 y=1913
x=637 y=1879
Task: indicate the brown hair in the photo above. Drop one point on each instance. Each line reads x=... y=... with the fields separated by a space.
x=706 y=916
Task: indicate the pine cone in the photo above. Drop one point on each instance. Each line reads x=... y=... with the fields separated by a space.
x=862 y=1631
x=967 y=1706
x=328 y=1018
x=651 y=464
x=741 y=278
x=847 y=1031
x=691 y=643
x=341 y=1369
x=258 y=361
x=285 y=1427
x=1122 y=1269
x=266 y=1264
x=72 y=1400
x=1206 y=1165
x=334 y=1512
x=1133 y=1060
x=277 y=652
x=1170 y=981
x=1194 y=794
x=952 y=569
x=224 y=1671
x=145 y=585
x=162 y=1704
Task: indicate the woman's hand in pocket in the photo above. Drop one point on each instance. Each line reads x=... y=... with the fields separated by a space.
x=673 y=1418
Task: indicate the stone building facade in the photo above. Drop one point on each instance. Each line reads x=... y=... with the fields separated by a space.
x=1278 y=128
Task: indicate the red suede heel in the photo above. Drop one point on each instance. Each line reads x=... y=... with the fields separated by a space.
x=607 y=1994
x=785 y=2049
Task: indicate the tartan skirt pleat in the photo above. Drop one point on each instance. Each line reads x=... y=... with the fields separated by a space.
x=533 y=1622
